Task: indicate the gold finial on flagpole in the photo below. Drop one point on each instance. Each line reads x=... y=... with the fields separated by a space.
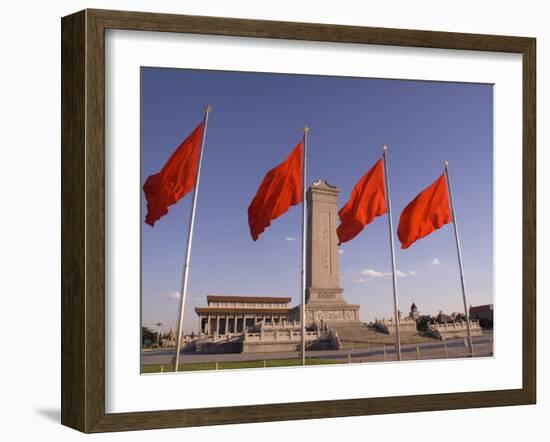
x=446 y=164
x=208 y=108
x=384 y=147
x=306 y=129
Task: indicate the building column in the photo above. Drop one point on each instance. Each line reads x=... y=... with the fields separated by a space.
x=200 y=324
x=244 y=324
x=235 y=324
x=217 y=324
x=226 y=328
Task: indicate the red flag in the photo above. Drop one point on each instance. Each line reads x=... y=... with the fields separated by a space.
x=280 y=189
x=366 y=202
x=175 y=179
x=427 y=212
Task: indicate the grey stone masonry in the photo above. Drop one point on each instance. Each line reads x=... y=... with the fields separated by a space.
x=324 y=296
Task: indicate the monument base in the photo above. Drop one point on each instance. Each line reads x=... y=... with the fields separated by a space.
x=317 y=312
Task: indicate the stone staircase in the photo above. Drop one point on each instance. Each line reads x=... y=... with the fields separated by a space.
x=358 y=334
x=219 y=344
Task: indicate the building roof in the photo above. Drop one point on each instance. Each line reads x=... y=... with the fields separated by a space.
x=272 y=299
x=204 y=310
x=414 y=307
x=481 y=308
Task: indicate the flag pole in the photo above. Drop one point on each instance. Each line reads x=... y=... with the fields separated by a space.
x=459 y=254
x=392 y=249
x=304 y=239
x=184 y=279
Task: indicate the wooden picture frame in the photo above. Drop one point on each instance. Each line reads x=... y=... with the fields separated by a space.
x=83 y=220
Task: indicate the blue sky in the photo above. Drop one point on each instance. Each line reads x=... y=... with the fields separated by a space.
x=257 y=119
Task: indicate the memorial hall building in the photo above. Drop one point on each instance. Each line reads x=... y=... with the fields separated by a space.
x=236 y=314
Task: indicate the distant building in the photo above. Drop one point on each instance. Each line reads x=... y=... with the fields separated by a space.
x=413 y=314
x=484 y=312
x=237 y=314
x=169 y=340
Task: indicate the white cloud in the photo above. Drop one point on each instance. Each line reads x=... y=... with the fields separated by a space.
x=360 y=279
x=174 y=295
x=436 y=261
x=291 y=238
x=340 y=251
x=373 y=273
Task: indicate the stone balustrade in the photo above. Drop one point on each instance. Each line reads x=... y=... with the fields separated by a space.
x=458 y=325
x=280 y=335
x=284 y=325
x=456 y=329
x=271 y=339
x=387 y=326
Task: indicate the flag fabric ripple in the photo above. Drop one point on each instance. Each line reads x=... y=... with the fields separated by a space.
x=280 y=189
x=366 y=202
x=429 y=211
x=175 y=179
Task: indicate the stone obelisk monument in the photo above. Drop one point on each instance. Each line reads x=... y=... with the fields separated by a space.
x=324 y=296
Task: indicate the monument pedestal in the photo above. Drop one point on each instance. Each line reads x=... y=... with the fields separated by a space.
x=327 y=306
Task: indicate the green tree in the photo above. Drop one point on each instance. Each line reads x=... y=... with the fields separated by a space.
x=148 y=336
